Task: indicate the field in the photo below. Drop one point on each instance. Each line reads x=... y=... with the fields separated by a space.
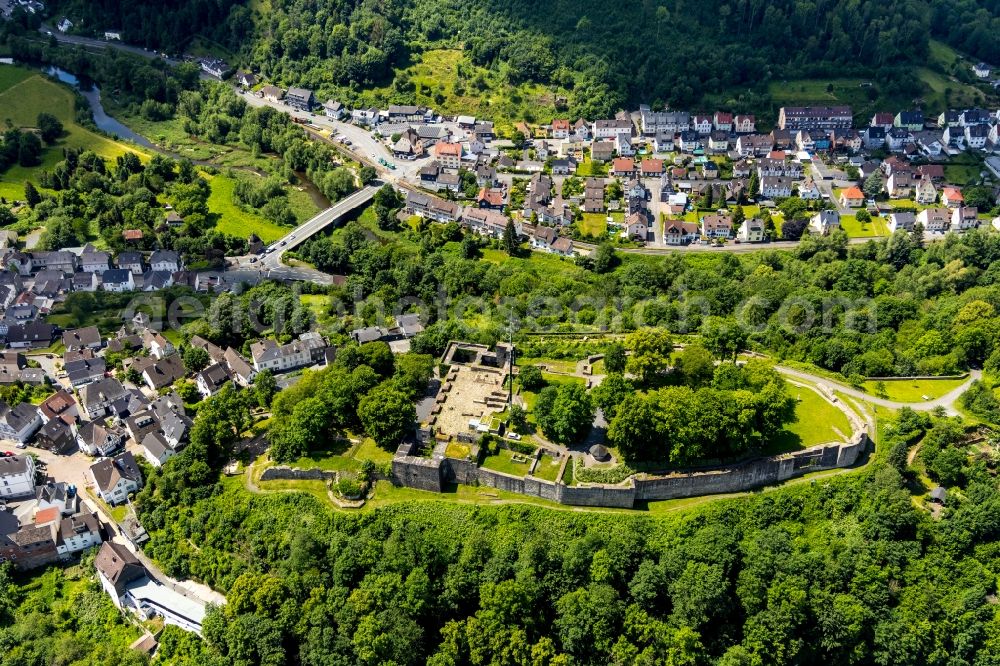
x=235 y=221
x=343 y=456
x=914 y=390
x=23 y=95
x=477 y=91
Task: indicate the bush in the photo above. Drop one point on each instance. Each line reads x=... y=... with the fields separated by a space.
x=349 y=487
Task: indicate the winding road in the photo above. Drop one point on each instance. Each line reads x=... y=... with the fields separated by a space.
x=947 y=400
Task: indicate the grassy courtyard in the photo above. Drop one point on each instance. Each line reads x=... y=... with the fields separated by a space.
x=508 y=462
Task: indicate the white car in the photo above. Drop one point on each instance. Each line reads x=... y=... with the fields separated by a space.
x=514 y=436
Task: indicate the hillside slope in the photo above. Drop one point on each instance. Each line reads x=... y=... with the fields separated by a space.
x=599 y=56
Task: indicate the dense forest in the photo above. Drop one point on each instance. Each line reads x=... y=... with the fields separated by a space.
x=846 y=571
x=603 y=55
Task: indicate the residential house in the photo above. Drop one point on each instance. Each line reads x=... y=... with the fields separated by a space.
x=211 y=379
x=971 y=117
x=116 y=568
x=60 y=405
x=493 y=199
x=952 y=197
x=245 y=80
x=100 y=437
x=334 y=109
x=130 y=261
x=815 y=117
x=82 y=338
x=723 y=121
x=742 y=169
x=405 y=113
x=882 y=119
x=718 y=141
x=852 y=197
x=745 y=124
x=17 y=476
x=935 y=220
x=964 y=218
x=164 y=372
x=78 y=533
x=623 y=167
x=899 y=185
x=663 y=143
x=20 y=422
x=165 y=260
x=156 y=449
x=30 y=335
x=607 y=129
x=897 y=138
x=449 y=155
x=677 y=232
x=364 y=117
x=775 y=187
x=97 y=397
x=981 y=70
x=976 y=136
x=754 y=145
x=562 y=246
x=636 y=227
x=269 y=355
x=751 y=231
x=242 y=372
x=485 y=222
x=849 y=140
x=94 y=261
x=563 y=167
x=874 y=137
x=115 y=478
x=651 y=168
x=909 y=120
x=925 y=193
x=56 y=436
x=272 y=93
x=301 y=99
x=581 y=130
x=689 y=141
x=824 y=222
x=117 y=280
x=809 y=190
x=58 y=495
x=623 y=145
x=543 y=238
x=717 y=226
x=702 y=125
x=83 y=371
x=602 y=151
x=905 y=221
x=560 y=128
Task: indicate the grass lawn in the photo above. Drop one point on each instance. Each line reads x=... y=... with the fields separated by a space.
x=26 y=94
x=505 y=462
x=594 y=224
x=543 y=263
x=962 y=171
x=914 y=390
x=548 y=468
x=854 y=229
x=557 y=365
x=369 y=450
x=815 y=423
x=457 y=450
x=590 y=168
x=233 y=220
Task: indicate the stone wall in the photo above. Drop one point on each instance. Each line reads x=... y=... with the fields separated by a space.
x=433 y=474
x=282 y=472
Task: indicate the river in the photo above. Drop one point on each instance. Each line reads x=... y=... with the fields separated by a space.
x=101 y=118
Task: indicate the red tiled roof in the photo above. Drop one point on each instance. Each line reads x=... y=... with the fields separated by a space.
x=852 y=193
x=621 y=164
